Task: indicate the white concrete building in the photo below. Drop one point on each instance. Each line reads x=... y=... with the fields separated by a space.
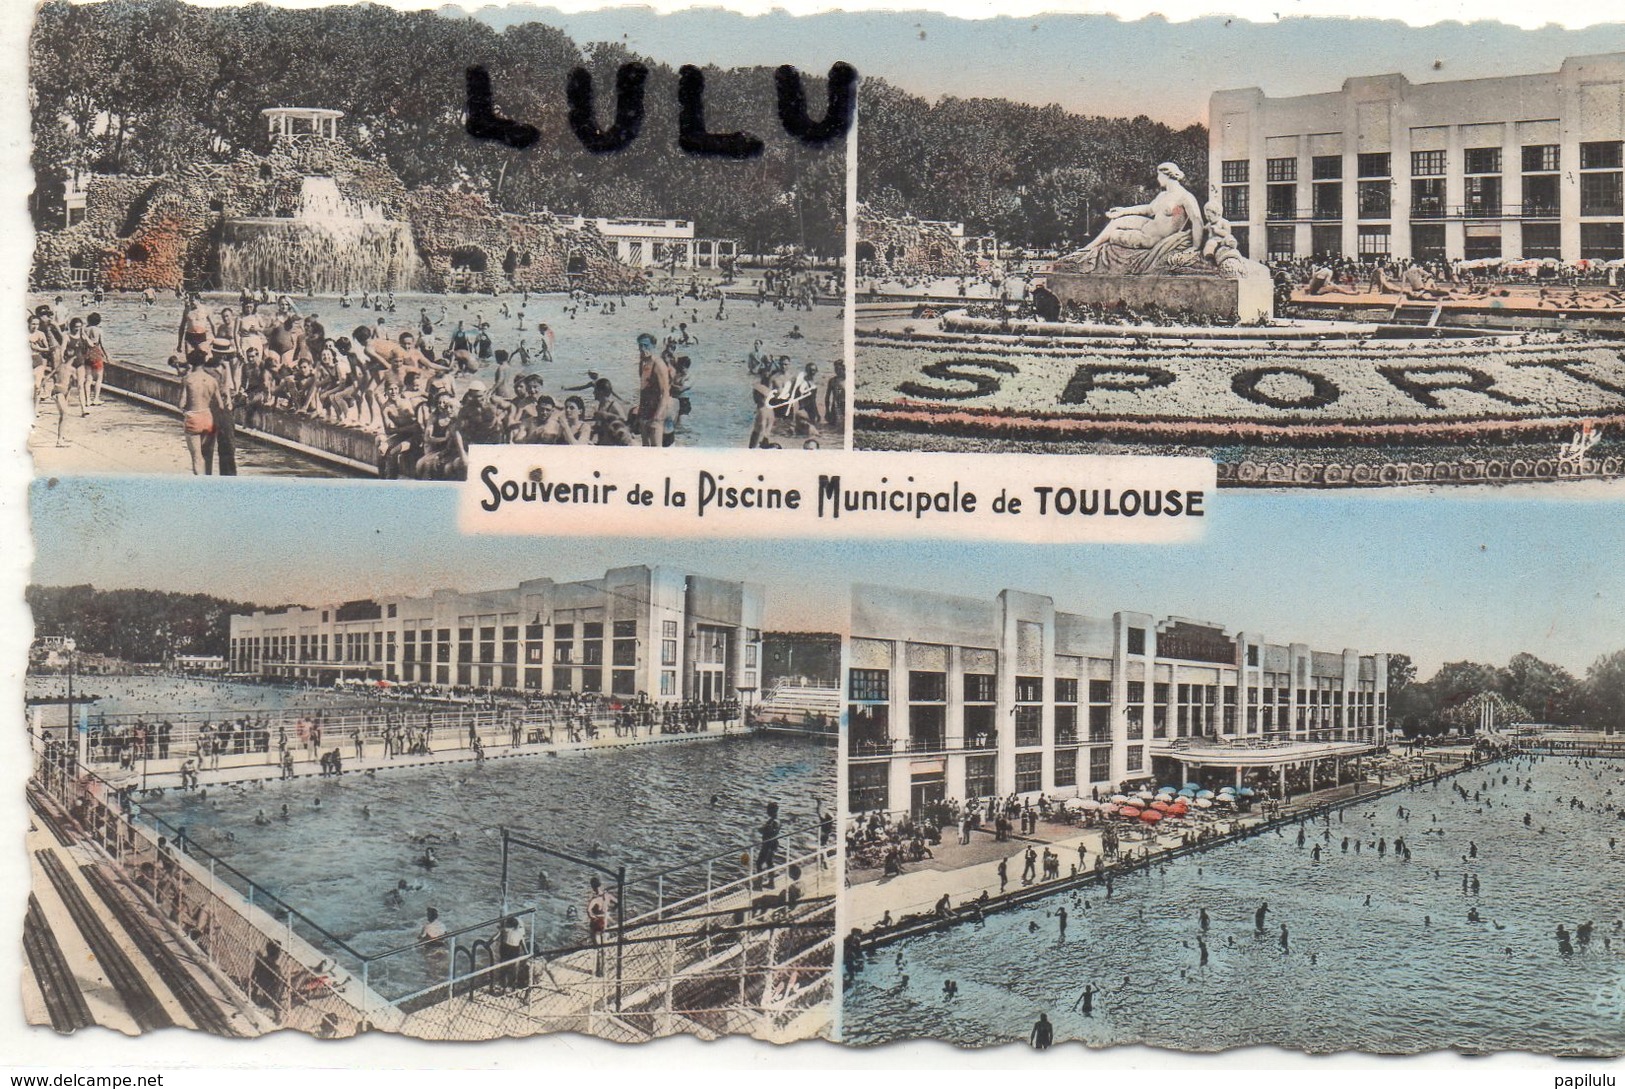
x=658 y=243
x=954 y=697
x=1511 y=167
x=652 y=630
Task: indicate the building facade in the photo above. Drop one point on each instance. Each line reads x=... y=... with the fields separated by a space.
x=952 y=697
x=1513 y=167
x=650 y=630
x=658 y=243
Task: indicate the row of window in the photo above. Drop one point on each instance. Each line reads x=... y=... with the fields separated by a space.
x=869 y=785
x=1601 y=194
x=1598 y=241
x=931 y=686
x=1536 y=159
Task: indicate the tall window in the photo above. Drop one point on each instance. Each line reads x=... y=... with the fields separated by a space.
x=1375 y=240
x=1375 y=200
x=1029 y=772
x=981 y=776
x=1373 y=164
x=1326 y=167
x=1100 y=765
x=868 y=684
x=1281 y=201
x=1427 y=164
x=1427 y=198
x=1234 y=171
x=1281 y=170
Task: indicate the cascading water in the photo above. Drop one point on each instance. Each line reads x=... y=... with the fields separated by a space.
x=329 y=245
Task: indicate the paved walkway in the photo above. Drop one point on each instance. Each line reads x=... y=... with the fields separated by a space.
x=123 y=436
x=964 y=872
x=250 y=767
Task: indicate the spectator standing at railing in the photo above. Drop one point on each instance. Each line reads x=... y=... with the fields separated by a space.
x=600 y=902
x=767 y=852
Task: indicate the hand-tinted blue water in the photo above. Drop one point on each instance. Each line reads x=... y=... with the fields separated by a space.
x=590 y=341
x=1382 y=977
x=647 y=808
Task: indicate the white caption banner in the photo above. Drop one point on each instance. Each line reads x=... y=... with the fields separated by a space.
x=630 y=491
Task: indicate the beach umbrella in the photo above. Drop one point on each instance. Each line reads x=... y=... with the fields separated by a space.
x=1193 y=786
x=1245 y=792
x=1145 y=795
x=1170 y=790
x=1161 y=806
x=1119 y=798
x=1150 y=816
x=1204 y=803
x=1129 y=812
x=1109 y=808
x=1187 y=793
x=1227 y=790
x=1204 y=794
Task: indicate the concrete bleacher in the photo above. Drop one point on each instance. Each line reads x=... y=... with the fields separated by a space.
x=797 y=703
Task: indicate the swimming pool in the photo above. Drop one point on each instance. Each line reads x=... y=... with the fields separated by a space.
x=1406 y=973
x=649 y=808
x=604 y=343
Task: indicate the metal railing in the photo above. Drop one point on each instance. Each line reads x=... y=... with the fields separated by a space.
x=294 y=971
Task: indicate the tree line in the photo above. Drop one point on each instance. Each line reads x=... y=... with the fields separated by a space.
x=1035 y=176
x=149 y=86
x=135 y=625
x=1526 y=689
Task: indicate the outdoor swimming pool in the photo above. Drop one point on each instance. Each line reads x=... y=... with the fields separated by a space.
x=1378 y=978
x=603 y=343
x=647 y=807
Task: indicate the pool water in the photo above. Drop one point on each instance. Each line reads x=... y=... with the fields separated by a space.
x=722 y=411
x=648 y=808
x=1380 y=978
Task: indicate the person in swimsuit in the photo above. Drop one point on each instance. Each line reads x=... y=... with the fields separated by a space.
x=74 y=349
x=95 y=358
x=654 y=392
x=42 y=354
x=576 y=429
x=199 y=391
x=197 y=327
x=63 y=382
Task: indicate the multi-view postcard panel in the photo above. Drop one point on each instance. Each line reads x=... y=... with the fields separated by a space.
x=1377 y=280
x=1318 y=770
x=573 y=791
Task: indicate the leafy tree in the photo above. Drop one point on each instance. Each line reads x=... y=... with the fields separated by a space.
x=101 y=105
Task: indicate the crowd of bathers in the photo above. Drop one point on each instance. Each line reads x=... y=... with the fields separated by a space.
x=428 y=395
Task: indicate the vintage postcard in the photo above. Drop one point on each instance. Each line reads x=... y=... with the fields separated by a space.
x=1138 y=564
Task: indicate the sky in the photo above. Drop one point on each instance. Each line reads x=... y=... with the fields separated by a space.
x=1443 y=577
x=1089 y=64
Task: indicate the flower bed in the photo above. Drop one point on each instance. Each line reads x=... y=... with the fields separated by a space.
x=1454 y=391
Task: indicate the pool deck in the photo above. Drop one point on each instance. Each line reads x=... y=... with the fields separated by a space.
x=258 y=767
x=963 y=873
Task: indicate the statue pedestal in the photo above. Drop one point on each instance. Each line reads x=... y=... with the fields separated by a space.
x=1247 y=300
